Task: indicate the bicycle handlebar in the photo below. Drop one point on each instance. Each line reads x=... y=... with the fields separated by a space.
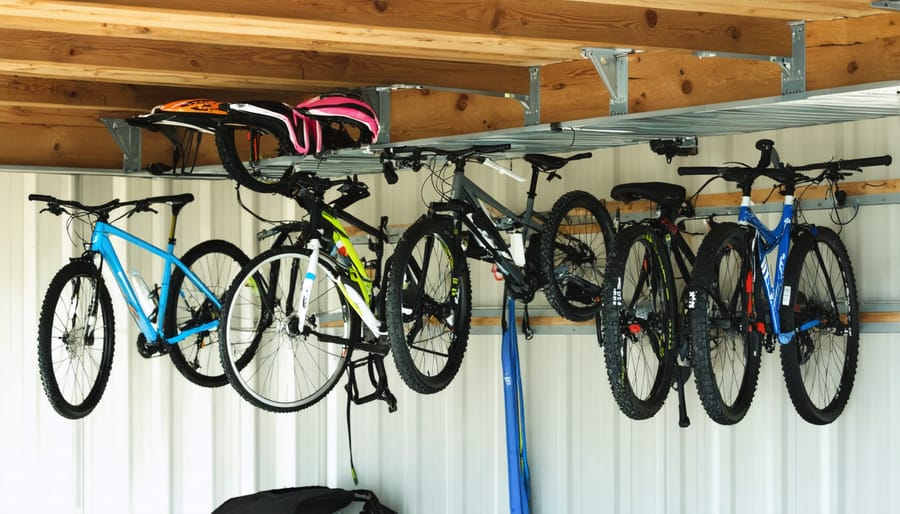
x=788 y=173
x=55 y=204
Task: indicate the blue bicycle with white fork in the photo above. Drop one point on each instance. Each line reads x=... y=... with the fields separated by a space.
x=179 y=317
x=736 y=306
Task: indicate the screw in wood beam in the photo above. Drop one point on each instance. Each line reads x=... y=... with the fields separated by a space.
x=612 y=65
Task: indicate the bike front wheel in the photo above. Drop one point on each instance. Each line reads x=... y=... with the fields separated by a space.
x=428 y=306
x=819 y=363
x=726 y=348
x=574 y=244
x=249 y=153
x=639 y=319
x=293 y=362
x=75 y=339
x=216 y=263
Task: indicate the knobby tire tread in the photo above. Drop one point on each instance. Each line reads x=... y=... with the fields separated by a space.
x=552 y=290
x=793 y=373
x=403 y=359
x=45 y=330
x=614 y=339
x=705 y=269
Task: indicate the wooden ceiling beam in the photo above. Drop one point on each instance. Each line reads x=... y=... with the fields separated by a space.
x=519 y=32
x=222 y=68
x=778 y=9
x=26 y=91
x=851 y=54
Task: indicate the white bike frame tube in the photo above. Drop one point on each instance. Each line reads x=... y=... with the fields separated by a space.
x=306 y=289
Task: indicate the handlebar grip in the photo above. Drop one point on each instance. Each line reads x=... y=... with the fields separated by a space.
x=41 y=198
x=852 y=164
x=492 y=148
x=700 y=170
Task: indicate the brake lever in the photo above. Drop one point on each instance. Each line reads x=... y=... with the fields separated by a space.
x=54 y=208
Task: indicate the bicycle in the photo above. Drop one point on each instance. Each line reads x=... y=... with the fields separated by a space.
x=302 y=310
x=642 y=331
x=428 y=319
x=809 y=307
x=76 y=328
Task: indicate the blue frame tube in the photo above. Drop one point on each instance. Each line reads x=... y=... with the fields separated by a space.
x=767 y=241
x=100 y=243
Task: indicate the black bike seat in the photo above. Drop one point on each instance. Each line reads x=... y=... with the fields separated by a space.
x=545 y=162
x=663 y=193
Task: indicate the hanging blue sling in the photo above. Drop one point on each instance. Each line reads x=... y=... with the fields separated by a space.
x=516 y=453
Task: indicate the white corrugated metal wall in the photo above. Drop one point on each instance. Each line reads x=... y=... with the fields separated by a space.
x=157 y=443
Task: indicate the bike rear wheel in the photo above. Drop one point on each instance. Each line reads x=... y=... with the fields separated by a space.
x=74 y=358
x=639 y=320
x=819 y=363
x=292 y=366
x=249 y=154
x=726 y=352
x=574 y=244
x=216 y=263
x=428 y=312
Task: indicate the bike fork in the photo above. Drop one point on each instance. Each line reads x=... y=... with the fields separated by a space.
x=306 y=288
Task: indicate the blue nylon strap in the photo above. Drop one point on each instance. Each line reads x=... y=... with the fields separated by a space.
x=516 y=447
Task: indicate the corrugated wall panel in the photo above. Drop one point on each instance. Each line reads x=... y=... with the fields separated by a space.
x=157 y=443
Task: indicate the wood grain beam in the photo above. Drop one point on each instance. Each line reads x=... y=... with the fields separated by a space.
x=26 y=91
x=516 y=32
x=67 y=138
x=167 y=63
x=779 y=9
x=853 y=51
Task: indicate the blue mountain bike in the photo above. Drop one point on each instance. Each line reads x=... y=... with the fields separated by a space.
x=76 y=330
x=736 y=306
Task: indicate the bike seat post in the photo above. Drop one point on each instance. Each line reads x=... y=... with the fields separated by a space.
x=532 y=189
x=176 y=209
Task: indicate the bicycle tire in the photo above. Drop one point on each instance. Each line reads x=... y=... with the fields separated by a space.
x=726 y=355
x=639 y=321
x=830 y=350
x=428 y=327
x=67 y=356
x=233 y=129
x=289 y=370
x=574 y=253
x=216 y=263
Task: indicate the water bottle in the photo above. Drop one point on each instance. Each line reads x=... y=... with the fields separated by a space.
x=145 y=298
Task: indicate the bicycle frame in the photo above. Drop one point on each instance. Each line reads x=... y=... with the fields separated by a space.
x=766 y=241
x=102 y=245
x=466 y=196
x=359 y=301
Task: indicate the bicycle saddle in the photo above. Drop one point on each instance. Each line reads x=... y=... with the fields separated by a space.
x=663 y=193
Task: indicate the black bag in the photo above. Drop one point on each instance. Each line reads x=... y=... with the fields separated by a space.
x=302 y=500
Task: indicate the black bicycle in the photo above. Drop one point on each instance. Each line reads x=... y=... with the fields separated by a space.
x=563 y=253
x=642 y=331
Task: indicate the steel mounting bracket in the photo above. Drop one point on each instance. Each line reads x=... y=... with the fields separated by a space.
x=612 y=65
x=793 y=67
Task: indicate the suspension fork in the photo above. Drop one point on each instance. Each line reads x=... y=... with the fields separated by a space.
x=91 y=321
x=832 y=296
